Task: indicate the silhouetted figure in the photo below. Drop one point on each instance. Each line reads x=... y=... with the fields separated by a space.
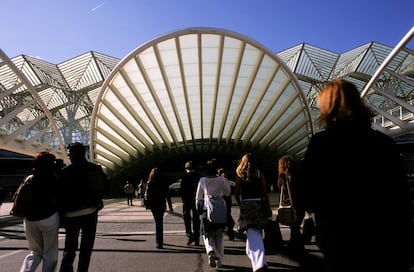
x=142 y=187
x=81 y=189
x=41 y=223
x=353 y=179
x=156 y=196
x=287 y=176
x=129 y=192
x=191 y=217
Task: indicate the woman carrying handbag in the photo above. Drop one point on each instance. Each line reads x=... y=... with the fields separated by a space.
x=290 y=212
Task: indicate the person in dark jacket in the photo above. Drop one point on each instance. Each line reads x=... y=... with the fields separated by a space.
x=191 y=217
x=353 y=179
x=155 y=199
x=41 y=223
x=129 y=192
x=81 y=189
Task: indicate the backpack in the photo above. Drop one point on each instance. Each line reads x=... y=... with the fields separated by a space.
x=22 y=198
x=215 y=206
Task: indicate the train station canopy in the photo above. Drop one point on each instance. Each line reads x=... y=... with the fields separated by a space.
x=194 y=91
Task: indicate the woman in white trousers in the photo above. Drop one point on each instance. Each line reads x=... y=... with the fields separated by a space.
x=213 y=234
x=41 y=220
x=252 y=197
x=42 y=237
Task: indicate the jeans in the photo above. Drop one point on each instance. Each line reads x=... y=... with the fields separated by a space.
x=73 y=226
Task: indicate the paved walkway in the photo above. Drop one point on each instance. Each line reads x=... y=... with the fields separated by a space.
x=125 y=242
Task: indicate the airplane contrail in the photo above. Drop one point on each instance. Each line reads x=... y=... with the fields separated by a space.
x=98 y=6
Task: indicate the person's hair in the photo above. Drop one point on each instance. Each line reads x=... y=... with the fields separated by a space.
x=188 y=165
x=44 y=162
x=340 y=101
x=221 y=171
x=286 y=164
x=77 y=148
x=211 y=167
x=153 y=174
x=247 y=161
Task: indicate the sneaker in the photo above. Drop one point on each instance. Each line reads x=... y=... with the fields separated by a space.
x=218 y=263
x=212 y=259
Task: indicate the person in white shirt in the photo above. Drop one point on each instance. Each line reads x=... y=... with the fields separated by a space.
x=213 y=234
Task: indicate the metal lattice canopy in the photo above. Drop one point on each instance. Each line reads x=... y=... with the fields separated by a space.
x=43 y=106
x=194 y=91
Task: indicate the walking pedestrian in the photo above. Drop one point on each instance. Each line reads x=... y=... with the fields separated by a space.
x=142 y=187
x=41 y=223
x=211 y=186
x=252 y=197
x=156 y=196
x=191 y=217
x=287 y=176
x=81 y=189
x=129 y=192
x=230 y=220
x=354 y=181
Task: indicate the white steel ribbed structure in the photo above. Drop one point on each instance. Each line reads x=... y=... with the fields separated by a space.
x=199 y=90
x=194 y=91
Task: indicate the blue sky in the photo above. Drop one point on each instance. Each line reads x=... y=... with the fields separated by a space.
x=58 y=30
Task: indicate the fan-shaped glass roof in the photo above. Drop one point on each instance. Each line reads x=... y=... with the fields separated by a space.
x=196 y=90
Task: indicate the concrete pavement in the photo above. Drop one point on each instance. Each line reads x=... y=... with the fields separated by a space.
x=125 y=242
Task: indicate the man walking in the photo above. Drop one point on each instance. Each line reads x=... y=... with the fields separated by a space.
x=129 y=192
x=81 y=188
x=189 y=184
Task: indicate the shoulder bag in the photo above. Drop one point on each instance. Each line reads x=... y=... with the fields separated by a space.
x=286 y=213
x=215 y=206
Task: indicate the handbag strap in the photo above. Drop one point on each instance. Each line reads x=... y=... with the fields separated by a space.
x=282 y=188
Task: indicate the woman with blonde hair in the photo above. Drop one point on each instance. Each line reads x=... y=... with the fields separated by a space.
x=252 y=197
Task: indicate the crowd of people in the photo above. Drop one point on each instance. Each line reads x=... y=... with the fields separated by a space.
x=340 y=181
